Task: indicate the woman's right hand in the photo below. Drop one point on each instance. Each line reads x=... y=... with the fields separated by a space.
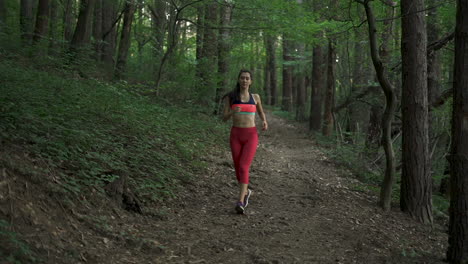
x=237 y=109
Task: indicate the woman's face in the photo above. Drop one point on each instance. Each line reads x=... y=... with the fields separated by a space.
x=244 y=80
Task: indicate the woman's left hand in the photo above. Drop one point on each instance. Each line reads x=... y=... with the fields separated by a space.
x=265 y=125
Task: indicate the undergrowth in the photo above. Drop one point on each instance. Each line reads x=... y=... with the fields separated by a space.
x=13 y=249
x=88 y=132
x=370 y=169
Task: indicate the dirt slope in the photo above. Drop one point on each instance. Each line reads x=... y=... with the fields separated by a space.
x=303 y=210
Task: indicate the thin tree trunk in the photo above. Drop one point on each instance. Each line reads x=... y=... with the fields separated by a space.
x=125 y=39
x=159 y=22
x=273 y=73
x=328 y=120
x=26 y=20
x=416 y=183
x=223 y=52
x=270 y=81
x=68 y=14
x=458 y=225
x=3 y=16
x=300 y=89
x=208 y=60
x=287 y=77
x=53 y=29
x=433 y=62
x=386 y=189
x=109 y=15
x=42 y=21
x=318 y=83
x=200 y=28
x=359 y=112
x=97 y=30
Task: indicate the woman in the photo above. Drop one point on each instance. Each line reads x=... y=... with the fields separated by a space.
x=241 y=105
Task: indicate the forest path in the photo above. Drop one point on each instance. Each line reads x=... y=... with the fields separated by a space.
x=303 y=210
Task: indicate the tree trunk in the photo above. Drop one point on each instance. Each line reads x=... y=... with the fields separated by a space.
x=26 y=20
x=223 y=53
x=208 y=60
x=416 y=184
x=42 y=21
x=270 y=85
x=109 y=15
x=82 y=36
x=300 y=96
x=125 y=39
x=138 y=32
x=434 y=70
x=200 y=33
x=287 y=77
x=53 y=29
x=318 y=83
x=68 y=14
x=3 y=16
x=159 y=23
x=386 y=189
x=433 y=62
x=328 y=120
x=359 y=112
x=458 y=226
x=97 y=30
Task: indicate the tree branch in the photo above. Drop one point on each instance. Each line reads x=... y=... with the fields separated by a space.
x=358 y=96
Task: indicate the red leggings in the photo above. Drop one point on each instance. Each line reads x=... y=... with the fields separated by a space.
x=244 y=141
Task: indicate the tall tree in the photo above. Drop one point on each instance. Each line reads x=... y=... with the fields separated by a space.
x=386 y=189
x=223 y=51
x=433 y=61
x=26 y=20
x=318 y=87
x=125 y=38
x=287 y=76
x=328 y=119
x=271 y=83
x=300 y=96
x=109 y=33
x=209 y=54
x=42 y=20
x=53 y=27
x=458 y=226
x=3 y=15
x=82 y=35
x=97 y=30
x=68 y=20
x=158 y=15
x=416 y=184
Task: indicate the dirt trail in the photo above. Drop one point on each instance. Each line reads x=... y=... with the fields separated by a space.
x=302 y=211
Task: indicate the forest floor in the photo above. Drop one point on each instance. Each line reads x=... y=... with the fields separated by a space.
x=304 y=209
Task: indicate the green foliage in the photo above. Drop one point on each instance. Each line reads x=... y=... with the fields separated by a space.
x=353 y=158
x=12 y=248
x=283 y=114
x=87 y=131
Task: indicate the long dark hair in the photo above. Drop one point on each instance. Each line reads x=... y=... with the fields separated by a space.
x=235 y=94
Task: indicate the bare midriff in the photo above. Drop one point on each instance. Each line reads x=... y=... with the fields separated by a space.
x=240 y=120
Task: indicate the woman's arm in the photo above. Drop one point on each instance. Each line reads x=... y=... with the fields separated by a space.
x=260 y=111
x=227 y=113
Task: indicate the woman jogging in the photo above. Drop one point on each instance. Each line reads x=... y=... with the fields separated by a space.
x=241 y=105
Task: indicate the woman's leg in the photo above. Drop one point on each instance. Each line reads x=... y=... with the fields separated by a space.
x=236 y=150
x=245 y=160
x=242 y=191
